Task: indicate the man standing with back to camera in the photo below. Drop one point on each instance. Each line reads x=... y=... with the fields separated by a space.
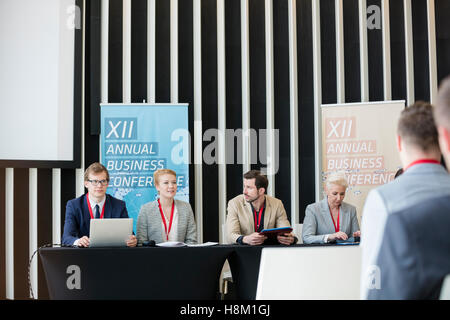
x=253 y=211
x=96 y=204
x=406 y=222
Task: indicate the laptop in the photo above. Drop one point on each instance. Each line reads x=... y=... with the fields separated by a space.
x=110 y=232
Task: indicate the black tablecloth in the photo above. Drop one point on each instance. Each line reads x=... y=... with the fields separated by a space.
x=135 y=273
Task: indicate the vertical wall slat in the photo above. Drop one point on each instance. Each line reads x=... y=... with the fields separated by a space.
x=386 y=44
x=306 y=101
x=126 y=51
x=3 y=234
x=398 y=56
x=233 y=96
x=210 y=119
x=21 y=236
x=328 y=51
x=221 y=104
x=282 y=134
x=139 y=46
x=44 y=225
x=293 y=110
x=419 y=23
x=317 y=79
x=9 y=232
x=33 y=238
x=68 y=192
x=352 y=51
x=270 y=111
x=186 y=76
x=56 y=205
x=174 y=51
x=115 y=51
x=104 y=50
x=363 y=50
x=79 y=186
x=162 y=53
x=257 y=77
x=94 y=52
x=198 y=128
x=245 y=65
x=433 y=74
x=92 y=42
x=442 y=7
x=409 y=52
x=340 y=60
x=375 y=50
x=151 y=49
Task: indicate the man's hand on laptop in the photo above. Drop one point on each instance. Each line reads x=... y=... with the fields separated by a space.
x=132 y=241
x=83 y=242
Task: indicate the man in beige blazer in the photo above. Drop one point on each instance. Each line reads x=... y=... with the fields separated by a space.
x=253 y=211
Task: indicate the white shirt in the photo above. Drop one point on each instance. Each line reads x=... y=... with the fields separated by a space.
x=372 y=231
x=93 y=204
x=100 y=205
x=173 y=230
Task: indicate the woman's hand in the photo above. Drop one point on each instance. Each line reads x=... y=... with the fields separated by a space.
x=338 y=236
x=357 y=234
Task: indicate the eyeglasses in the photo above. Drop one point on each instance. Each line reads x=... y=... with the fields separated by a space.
x=103 y=182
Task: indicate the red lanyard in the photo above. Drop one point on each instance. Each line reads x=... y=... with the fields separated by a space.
x=90 y=208
x=421 y=161
x=336 y=228
x=164 y=218
x=257 y=223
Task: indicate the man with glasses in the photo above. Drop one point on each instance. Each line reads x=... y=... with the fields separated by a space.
x=96 y=204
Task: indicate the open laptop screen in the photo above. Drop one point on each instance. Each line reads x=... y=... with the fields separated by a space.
x=110 y=232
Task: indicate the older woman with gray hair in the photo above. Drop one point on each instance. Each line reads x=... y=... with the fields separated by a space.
x=331 y=219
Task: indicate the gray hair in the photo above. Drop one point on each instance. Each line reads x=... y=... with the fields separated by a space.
x=337 y=178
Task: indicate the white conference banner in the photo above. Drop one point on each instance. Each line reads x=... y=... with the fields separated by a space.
x=359 y=139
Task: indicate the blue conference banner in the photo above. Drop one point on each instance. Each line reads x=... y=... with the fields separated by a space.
x=138 y=139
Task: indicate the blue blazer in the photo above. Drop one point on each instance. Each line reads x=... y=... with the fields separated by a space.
x=78 y=218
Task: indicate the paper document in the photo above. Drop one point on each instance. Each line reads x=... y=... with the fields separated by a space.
x=171 y=244
x=206 y=244
x=182 y=244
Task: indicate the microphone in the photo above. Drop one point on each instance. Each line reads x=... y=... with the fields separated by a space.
x=150 y=243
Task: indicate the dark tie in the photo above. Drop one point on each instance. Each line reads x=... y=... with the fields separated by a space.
x=97 y=211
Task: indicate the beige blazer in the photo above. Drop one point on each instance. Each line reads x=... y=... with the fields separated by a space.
x=240 y=220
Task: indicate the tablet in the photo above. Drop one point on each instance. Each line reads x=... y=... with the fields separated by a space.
x=349 y=241
x=110 y=232
x=275 y=231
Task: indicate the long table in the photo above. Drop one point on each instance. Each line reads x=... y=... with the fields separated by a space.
x=150 y=272
x=134 y=273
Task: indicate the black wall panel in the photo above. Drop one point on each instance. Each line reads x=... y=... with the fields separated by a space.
x=209 y=119
x=281 y=100
x=305 y=107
